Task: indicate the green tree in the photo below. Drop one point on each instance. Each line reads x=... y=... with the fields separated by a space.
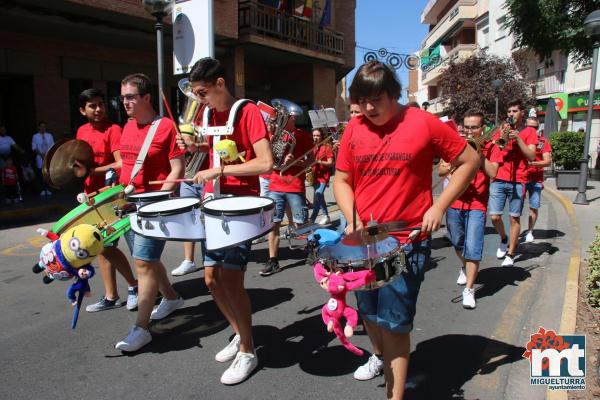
x=467 y=84
x=548 y=25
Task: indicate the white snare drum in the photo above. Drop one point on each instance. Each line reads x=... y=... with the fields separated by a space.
x=230 y=221
x=141 y=199
x=173 y=219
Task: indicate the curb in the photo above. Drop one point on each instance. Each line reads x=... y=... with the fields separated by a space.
x=568 y=317
x=11 y=215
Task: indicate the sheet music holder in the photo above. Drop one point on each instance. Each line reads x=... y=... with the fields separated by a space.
x=323 y=118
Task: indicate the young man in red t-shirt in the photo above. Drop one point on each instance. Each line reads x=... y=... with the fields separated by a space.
x=511 y=179
x=286 y=189
x=466 y=216
x=164 y=161
x=323 y=156
x=105 y=138
x=384 y=173
x=535 y=177
x=224 y=270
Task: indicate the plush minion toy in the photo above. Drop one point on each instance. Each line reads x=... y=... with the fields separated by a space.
x=227 y=150
x=70 y=256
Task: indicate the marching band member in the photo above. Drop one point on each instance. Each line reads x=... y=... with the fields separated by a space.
x=105 y=138
x=466 y=217
x=510 y=181
x=224 y=270
x=321 y=173
x=164 y=160
x=384 y=172
x=286 y=189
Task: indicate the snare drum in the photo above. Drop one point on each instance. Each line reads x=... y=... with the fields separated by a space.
x=386 y=258
x=173 y=219
x=141 y=199
x=230 y=221
x=106 y=204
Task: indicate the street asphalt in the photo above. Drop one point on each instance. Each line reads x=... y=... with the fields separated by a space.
x=456 y=353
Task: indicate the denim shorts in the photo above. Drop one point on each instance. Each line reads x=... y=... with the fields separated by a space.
x=264 y=186
x=500 y=191
x=467 y=228
x=187 y=189
x=534 y=189
x=297 y=204
x=143 y=248
x=393 y=306
x=230 y=258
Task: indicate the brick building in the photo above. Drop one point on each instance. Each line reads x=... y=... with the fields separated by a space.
x=50 y=51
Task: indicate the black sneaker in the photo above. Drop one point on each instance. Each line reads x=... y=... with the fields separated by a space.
x=104 y=304
x=270 y=268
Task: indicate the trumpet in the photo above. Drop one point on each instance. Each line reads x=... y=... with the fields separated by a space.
x=503 y=140
x=477 y=143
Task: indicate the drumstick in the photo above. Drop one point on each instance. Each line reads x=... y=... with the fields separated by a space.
x=170 y=181
x=162 y=94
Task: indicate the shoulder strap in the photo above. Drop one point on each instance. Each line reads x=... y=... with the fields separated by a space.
x=139 y=162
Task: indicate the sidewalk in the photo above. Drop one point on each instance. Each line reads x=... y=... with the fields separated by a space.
x=35 y=208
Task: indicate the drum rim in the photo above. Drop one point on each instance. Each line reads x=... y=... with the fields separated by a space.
x=235 y=213
x=176 y=211
x=164 y=196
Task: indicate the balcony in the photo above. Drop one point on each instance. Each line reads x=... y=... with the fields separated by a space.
x=551 y=83
x=464 y=10
x=269 y=23
x=433 y=70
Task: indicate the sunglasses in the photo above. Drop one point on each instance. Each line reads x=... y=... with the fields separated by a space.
x=472 y=128
x=128 y=97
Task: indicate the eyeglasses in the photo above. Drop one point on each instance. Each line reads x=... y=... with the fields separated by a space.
x=128 y=97
x=471 y=128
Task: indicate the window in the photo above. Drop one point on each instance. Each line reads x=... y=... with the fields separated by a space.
x=540 y=73
x=500 y=27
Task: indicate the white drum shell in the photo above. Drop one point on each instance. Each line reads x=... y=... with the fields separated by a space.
x=178 y=226
x=142 y=199
x=231 y=230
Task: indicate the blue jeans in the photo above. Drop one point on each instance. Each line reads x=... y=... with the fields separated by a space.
x=231 y=258
x=297 y=204
x=466 y=229
x=534 y=189
x=319 y=201
x=142 y=248
x=393 y=306
x=264 y=186
x=500 y=191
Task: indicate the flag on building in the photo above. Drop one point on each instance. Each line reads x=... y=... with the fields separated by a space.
x=326 y=17
x=305 y=9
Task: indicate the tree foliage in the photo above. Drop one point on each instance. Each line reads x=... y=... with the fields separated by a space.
x=467 y=84
x=548 y=25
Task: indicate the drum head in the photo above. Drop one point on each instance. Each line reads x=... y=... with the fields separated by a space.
x=349 y=254
x=149 y=196
x=238 y=205
x=169 y=207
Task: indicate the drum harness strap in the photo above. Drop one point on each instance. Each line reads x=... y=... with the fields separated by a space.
x=139 y=162
x=217 y=132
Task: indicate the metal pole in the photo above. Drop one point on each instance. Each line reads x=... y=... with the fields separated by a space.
x=496 y=121
x=161 y=67
x=583 y=169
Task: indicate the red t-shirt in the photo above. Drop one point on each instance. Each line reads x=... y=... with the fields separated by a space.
x=287 y=183
x=10 y=176
x=391 y=165
x=248 y=128
x=536 y=174
x=157 y=163
x=104 y=141
x=322 y=173
x=476 y=196
x=514 y=164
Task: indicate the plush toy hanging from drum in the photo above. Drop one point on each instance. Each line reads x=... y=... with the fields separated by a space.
x=69 y=256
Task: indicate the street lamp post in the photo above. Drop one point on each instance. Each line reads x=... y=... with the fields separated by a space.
x=496 y=84
x=159 y=9
x=591 y=26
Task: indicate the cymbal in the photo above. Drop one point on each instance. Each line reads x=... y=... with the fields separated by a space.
x=374 y=233
x=60 y=159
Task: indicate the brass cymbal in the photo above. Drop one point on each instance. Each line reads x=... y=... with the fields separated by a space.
x=374 y=233
x=60 y=159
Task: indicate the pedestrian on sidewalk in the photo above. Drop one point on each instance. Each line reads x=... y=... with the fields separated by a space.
x=10 y=181
x=40 y=144
x=384 y=173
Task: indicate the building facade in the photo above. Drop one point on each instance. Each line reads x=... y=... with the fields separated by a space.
x=50 y=51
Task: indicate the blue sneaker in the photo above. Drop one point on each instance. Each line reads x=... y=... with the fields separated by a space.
x=103 y=305
x=132 y=298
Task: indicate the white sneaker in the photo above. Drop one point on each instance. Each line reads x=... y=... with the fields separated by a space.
x=529 y=237
x=462 y=277
x=501 y=252
x=136 y=339
x=186 y=267
x=469 y=298
x=372 y=368
x=229 y=352
x=508 y=261
x=240 y=368
x=132 y=298
x=166 y=307
x=325 y=220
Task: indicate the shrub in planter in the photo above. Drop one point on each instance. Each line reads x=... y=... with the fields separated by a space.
x=567 y=149
x=593 y=277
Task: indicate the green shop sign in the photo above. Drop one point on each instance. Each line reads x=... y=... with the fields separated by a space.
x=575 y=102
x=580 y=100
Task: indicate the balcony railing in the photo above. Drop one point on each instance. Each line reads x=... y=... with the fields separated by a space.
x=266 y=21
x=460 y=51
x=550 y=84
